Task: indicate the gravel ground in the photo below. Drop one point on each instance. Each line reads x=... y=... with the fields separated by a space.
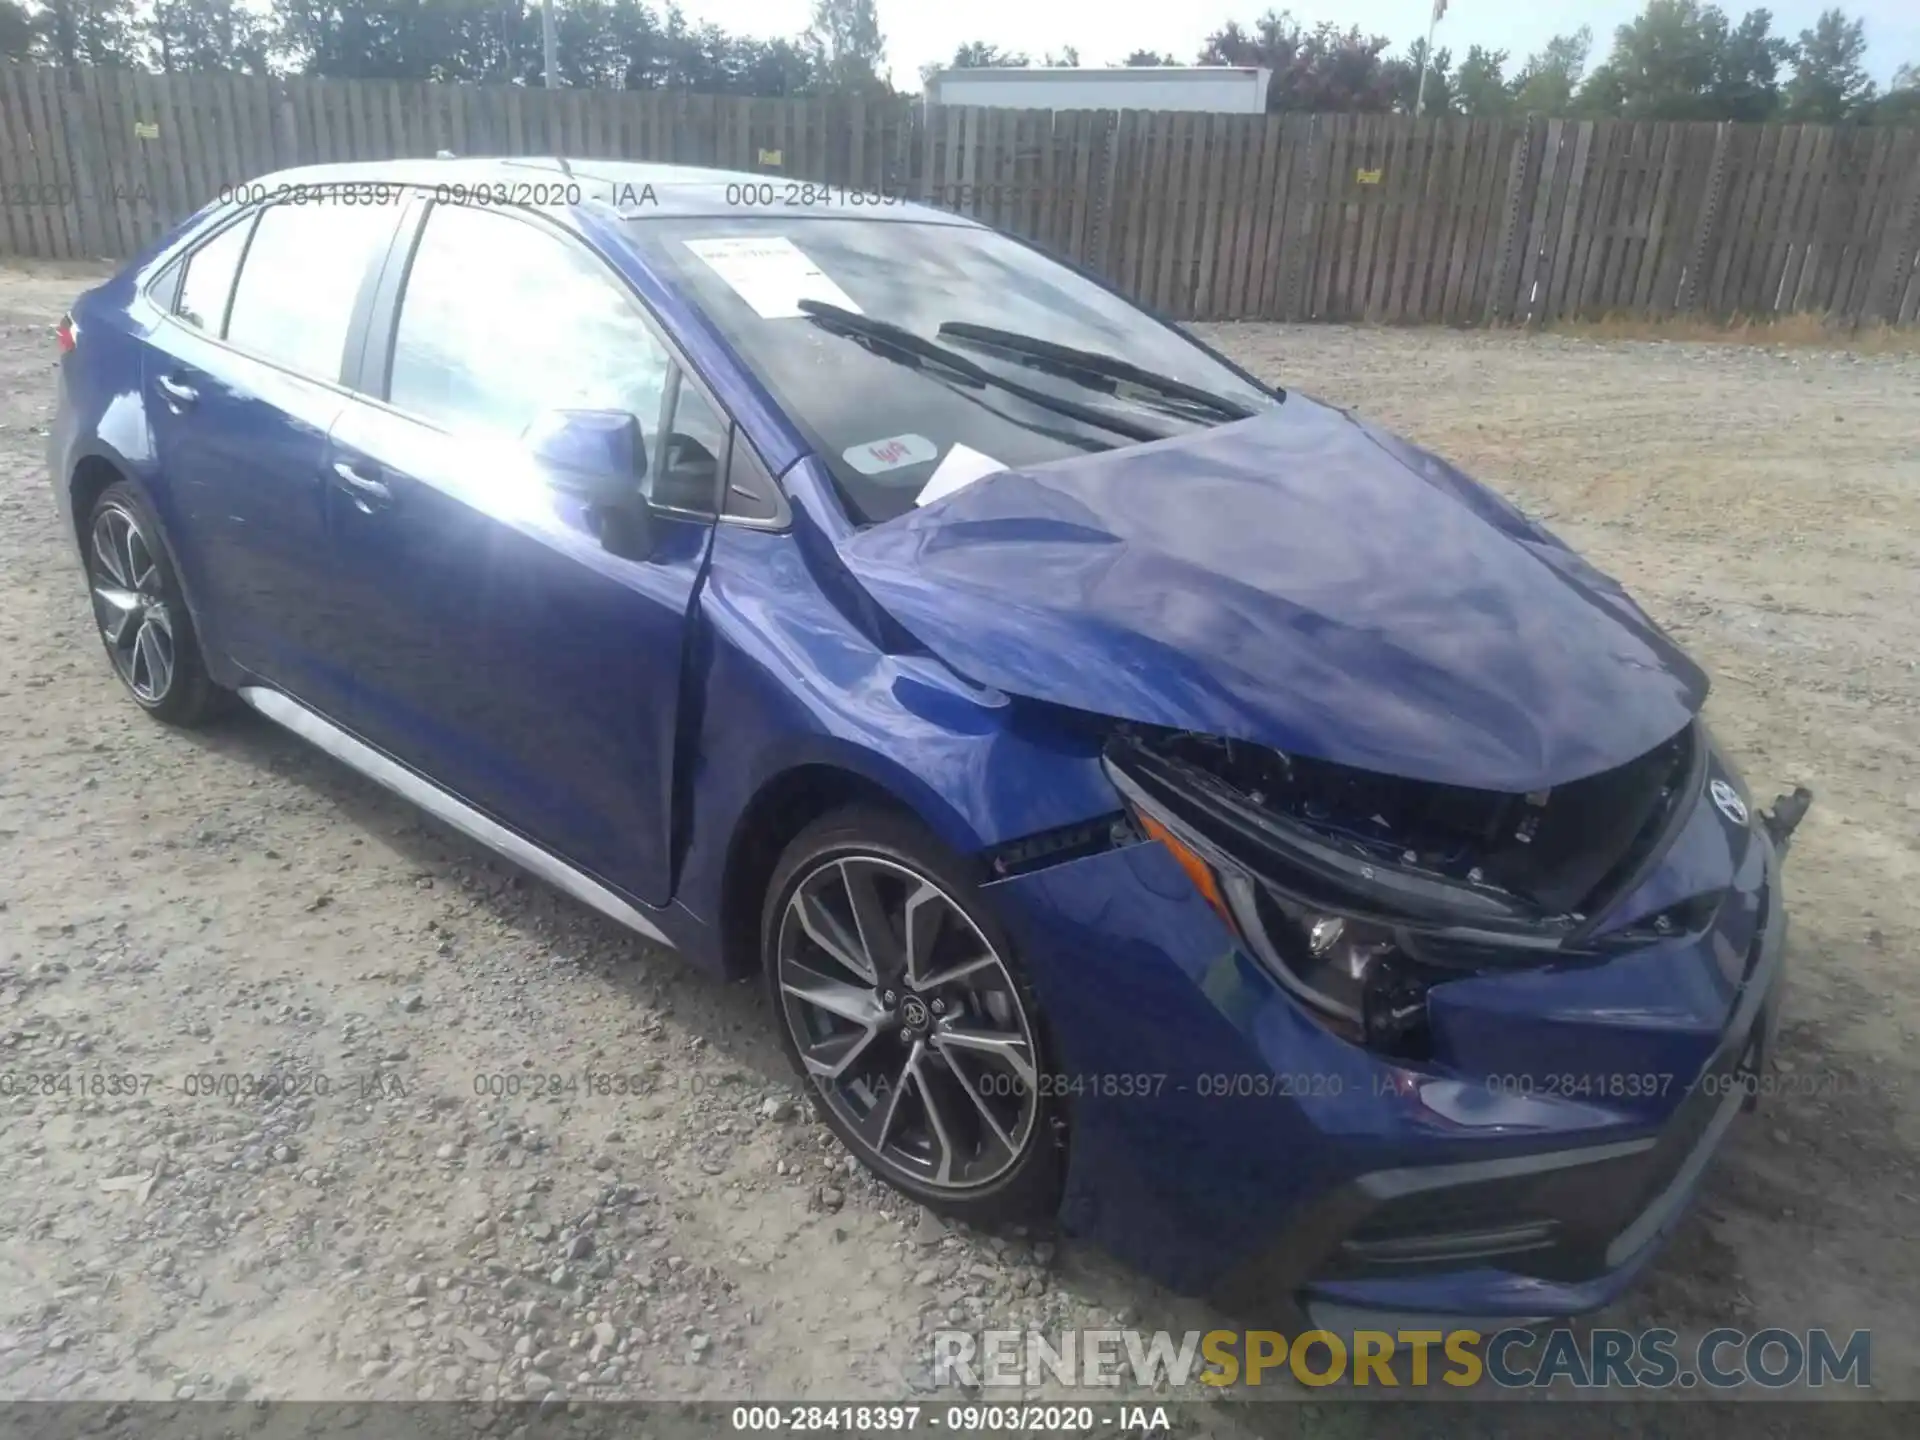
x=176 y=906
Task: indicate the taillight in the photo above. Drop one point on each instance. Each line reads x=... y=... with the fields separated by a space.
x=66 y=333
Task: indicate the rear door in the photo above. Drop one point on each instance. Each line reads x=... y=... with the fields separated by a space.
x=496 y=646
x=243 y=384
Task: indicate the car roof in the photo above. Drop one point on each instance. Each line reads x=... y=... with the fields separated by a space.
x=637 y=189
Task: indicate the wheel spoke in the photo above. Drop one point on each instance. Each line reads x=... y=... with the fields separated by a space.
x=836 y=997
x=876 y=1127
x=937 y=1130
x=922 y=921
x=146 y=646
x=826 y=930
x=828 y=1059
x=1011 y=1050
x=141 y=565
x=121 y=607
x=967 y=1084
x=960 y=971
x=129 y=538
x=877 y=940
x=106 y=551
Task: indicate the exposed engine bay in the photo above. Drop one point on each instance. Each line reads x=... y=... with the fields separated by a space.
x=1554 y=850
x=1426 y=854
x=1359 y=890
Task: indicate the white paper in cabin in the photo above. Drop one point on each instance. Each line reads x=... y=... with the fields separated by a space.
x=770 y=273
x=961 y=468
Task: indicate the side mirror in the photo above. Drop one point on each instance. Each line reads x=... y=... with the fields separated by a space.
x=601 y=456
x=598 y=455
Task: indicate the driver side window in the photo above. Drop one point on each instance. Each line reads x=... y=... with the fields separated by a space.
x=501 y=320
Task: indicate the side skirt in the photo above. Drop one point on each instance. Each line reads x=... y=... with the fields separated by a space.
x=444 y=805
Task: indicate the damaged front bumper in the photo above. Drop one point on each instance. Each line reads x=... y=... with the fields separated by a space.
x=1523 y=1159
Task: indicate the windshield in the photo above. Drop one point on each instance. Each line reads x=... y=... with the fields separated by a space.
x=883 y=409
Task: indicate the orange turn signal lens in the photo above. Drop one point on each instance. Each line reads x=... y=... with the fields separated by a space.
x=1197 y=869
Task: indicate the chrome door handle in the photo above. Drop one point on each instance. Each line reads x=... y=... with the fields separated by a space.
x=178 y=394
x=368 y=493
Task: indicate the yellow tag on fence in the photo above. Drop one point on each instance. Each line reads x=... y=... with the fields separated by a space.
x=769 y=157
x=146 y=129
x=1366 y=177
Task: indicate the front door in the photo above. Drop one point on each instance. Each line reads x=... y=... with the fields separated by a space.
x=497 y=647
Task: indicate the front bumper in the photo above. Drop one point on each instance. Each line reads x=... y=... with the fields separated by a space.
x=1227 y=1144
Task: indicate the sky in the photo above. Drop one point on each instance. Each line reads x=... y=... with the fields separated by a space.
x=1104 y=31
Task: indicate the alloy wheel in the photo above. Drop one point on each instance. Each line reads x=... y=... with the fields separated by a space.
x=130 y=604
x=908 y=1022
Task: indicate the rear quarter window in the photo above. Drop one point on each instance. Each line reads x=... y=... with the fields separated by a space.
x=302 y=274
x=207 y=283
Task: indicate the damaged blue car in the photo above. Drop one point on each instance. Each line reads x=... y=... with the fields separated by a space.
x=1150 y=799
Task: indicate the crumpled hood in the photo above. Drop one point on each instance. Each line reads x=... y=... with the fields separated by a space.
x=1298 y=580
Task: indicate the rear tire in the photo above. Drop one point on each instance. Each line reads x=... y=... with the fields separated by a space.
x=901 y=1004
x=141 y=611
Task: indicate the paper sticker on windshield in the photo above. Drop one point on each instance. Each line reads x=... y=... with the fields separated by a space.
x=770 y=273
x=961 y=468
x=896 y=451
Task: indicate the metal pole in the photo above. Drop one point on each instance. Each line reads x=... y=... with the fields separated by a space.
x=550 y=44
x=1426 y=60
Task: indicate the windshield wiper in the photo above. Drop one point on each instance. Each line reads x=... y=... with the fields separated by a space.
x=1075 y=364
x=840 y=321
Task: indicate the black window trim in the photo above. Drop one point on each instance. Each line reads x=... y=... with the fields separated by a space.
x=174 y=273
x=670 y=415
x=369 y=377
x=742 y=452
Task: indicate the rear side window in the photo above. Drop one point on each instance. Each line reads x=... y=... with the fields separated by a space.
x=501 y=320
x=208 y=282
x=302 y=274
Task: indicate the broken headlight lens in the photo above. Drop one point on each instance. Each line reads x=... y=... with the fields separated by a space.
x=1354 y=973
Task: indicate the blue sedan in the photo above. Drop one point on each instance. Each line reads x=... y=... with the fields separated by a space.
x=1149 y=798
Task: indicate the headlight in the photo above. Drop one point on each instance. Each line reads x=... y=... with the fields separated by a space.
x=1355 y=974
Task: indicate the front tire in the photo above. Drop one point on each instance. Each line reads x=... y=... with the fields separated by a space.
x=141 y=612
x=901 y=1004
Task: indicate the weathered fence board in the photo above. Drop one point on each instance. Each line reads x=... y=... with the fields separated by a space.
x=1270 y=217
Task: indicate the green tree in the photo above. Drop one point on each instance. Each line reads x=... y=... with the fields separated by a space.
x=1545 y=84
x=979 y=55
x=1662 y=63
x=1067 y=59
x=1480 y=84
x=1901 y=104
x=1149 y=57
x=89 y=32
x=216 y=35
x=1746 y=72
x=845 y=45
x=1404 y=75
x=1325 y=68
x=772 y=67
x=616 y=43
x=18 y=33
x=1829 y=81
x=358 y=38
x=1683 y=60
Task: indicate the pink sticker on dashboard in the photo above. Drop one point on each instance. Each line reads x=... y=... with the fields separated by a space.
x=876 y=457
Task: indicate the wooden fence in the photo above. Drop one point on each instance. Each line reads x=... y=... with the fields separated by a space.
x=1295 y=217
